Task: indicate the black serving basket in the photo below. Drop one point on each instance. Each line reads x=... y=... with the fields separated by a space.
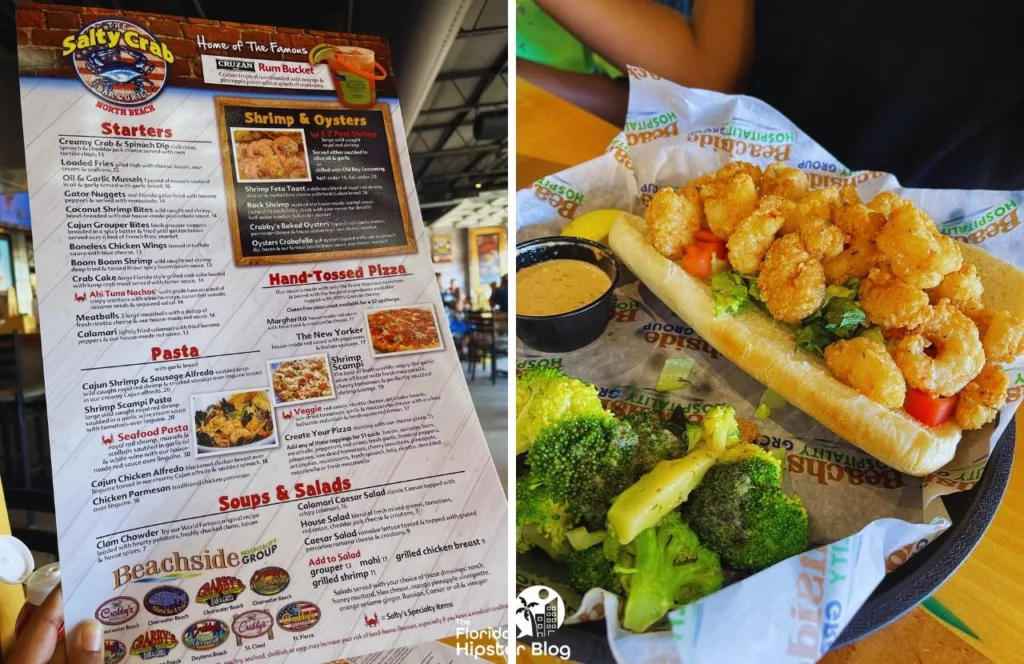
x=970 y=511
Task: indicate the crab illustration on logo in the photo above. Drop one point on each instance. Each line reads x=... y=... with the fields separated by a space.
x=114 y=652
x=119 y=61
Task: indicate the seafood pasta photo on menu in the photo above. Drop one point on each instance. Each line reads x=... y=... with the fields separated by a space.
x=262 y=443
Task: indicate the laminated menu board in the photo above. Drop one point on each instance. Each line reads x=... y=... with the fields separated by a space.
x=263 y=446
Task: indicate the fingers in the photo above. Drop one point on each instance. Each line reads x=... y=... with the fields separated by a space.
x=38 y=640
x=85 y=646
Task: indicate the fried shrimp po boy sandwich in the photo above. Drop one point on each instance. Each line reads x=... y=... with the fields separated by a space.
x=859 y=313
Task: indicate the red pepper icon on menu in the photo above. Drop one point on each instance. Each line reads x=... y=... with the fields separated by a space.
x=371 y=622
x=107 y=440
x=80 y=297
x=287 y=415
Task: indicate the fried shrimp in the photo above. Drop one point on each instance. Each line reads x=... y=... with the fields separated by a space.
x=779 y=180
x=285 y=146
x=262 y=148
x=672 y=221
x=892 y=303
x=1002 y=334
x=884 y=203
x=812 y=218
x=917 y=252
x=854 y=262
x=752 y=238
x=727 y=202
x=856 y=219
x=246 y=135
x=866 y=366
x=792 y=281
x=692 y=194
x=735 y=167
x=962 y=288
x=817 y=205
x=958 y=354
x=981 y=400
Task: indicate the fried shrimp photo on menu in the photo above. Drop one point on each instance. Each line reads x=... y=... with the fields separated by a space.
x=858 y=311
x=270 y=155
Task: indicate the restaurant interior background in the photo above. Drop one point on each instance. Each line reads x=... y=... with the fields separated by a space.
x=450 y=61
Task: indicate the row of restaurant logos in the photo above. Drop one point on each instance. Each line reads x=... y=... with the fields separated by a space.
x=167 y=601
x=210 y=633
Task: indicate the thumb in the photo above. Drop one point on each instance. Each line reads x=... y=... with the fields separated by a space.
x=86 y=645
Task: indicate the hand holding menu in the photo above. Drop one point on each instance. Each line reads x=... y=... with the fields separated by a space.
x=263 y=446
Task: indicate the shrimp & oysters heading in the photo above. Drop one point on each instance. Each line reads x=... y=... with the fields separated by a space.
x=270 y=155
x=238 y=419
x=829 y=299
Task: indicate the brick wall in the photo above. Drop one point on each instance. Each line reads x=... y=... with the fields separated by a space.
x=42 y=28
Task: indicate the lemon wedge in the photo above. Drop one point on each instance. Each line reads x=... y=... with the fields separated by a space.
x=594 y=225
x=320 y=53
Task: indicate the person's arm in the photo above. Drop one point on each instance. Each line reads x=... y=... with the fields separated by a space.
x=711 y=50
x=596 y=93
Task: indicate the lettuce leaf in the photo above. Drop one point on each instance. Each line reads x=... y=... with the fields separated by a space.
x=734 y=292
x=731 y=293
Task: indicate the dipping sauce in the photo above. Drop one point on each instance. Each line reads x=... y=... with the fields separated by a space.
x=558 y=286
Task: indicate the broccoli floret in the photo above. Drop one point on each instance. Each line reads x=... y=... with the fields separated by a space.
x=589 y=568
x=740 y=511
x=655 y=440
x=671 y=569
x=694 y=433
x=584 y=461
x=543 y=396
x=670 y=482
x=541 y=520
x=720 y=429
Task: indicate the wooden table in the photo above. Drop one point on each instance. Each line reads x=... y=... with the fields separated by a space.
x=978 y=614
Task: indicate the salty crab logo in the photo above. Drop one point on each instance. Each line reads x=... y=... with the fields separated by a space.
x=119 y=61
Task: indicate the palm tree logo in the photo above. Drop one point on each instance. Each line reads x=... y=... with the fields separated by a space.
x=540 y=612
x=526 y=610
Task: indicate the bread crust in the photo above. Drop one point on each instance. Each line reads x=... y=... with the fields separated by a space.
x=765 y=349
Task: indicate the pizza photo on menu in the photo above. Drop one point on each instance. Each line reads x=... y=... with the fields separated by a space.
x=301 y=379
x=239 y=421
x=403 y=330
x=270 y=155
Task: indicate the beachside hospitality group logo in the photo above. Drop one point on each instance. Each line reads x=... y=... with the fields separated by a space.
x=119 y=61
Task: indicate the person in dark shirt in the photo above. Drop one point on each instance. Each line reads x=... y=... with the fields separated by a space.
x=499 y=298
x=920 y=90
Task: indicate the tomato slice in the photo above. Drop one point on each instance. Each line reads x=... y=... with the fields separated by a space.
x=697 y=260
x=707 y=237
x=931 y=411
